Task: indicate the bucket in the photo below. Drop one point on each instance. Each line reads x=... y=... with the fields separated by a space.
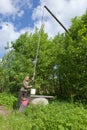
x=33 y=91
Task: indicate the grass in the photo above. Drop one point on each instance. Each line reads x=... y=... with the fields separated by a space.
x=58 y=115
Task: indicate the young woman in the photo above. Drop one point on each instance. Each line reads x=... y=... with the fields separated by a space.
x=24 y=90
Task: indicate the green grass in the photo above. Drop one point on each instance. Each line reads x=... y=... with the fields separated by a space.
x=58 y=115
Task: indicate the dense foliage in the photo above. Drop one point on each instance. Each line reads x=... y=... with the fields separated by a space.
x=58 y=115
x=61 y=66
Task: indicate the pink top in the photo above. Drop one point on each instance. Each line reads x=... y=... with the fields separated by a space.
x=25 y=101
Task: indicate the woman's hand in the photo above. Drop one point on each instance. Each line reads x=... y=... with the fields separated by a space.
x=29 y=86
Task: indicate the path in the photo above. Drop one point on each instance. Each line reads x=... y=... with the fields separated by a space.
x=3 y=111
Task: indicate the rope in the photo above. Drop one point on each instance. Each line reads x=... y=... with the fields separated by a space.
x=37 y=51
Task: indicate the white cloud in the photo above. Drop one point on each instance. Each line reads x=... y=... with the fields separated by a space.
x=14 y=7
x=6 y=7
x=8 y=33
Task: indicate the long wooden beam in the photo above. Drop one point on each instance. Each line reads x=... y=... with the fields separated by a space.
x=56 y=18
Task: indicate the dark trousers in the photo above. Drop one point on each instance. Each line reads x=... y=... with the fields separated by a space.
x=21 y=95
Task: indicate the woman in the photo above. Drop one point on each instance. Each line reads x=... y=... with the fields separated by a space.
x=26 y=85
x=24 y=90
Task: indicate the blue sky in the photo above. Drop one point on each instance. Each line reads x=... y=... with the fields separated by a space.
x=19 y=16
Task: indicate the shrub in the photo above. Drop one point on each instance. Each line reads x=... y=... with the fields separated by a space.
x=7 y=99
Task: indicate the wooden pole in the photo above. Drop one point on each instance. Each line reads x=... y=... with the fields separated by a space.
x=56 y=18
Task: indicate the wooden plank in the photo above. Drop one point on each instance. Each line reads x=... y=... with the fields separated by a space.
x=40 y=96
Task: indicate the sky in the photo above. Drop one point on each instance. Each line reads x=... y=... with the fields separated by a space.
x=20 y=16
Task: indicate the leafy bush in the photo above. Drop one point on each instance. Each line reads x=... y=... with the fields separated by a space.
x=55 y=116
x=7 y=99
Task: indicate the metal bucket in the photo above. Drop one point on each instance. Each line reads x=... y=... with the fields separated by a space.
x=33 y=91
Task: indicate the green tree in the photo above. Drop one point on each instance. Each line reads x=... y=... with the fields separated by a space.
x=72 y=59
x=20 y=62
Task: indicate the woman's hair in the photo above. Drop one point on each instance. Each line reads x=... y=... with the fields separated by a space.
x=26 y=78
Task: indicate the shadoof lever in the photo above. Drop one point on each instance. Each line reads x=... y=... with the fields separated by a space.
x=56 y=18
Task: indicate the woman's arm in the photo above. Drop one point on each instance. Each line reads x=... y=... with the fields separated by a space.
x=26 y=86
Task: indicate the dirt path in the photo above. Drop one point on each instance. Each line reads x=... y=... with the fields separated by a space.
x=3 y=111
